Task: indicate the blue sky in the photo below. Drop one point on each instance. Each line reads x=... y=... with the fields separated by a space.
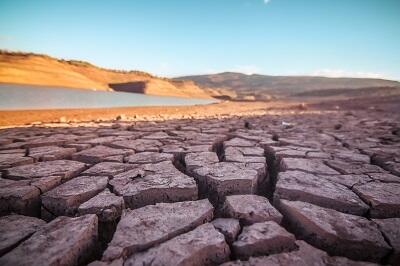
x=179 y=37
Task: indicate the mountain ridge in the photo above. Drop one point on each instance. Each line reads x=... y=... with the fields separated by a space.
x=267 y=86
x=44 y=70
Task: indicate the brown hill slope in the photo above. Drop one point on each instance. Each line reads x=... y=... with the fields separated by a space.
x=34 y=69
x=262 y=86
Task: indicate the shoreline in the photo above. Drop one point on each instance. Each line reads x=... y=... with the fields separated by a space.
x=149 y=113
x=223 y=109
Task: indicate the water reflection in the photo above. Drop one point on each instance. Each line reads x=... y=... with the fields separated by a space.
x=18 y=97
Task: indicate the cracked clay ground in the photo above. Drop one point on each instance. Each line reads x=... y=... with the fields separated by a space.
x=299 y=189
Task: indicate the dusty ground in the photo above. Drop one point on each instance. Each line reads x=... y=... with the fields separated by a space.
x=306 y=185
x=13 y=118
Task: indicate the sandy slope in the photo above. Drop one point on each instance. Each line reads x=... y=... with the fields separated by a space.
x=23 y=68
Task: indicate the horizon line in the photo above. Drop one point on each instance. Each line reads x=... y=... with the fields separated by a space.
x=2 y=50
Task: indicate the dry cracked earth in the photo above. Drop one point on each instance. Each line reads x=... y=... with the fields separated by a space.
x=300 y=189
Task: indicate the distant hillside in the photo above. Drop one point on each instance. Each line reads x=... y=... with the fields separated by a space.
x=262 y=86
x=35 y=69
x=352 y=93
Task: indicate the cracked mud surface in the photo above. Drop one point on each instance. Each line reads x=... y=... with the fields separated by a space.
x=299 y=189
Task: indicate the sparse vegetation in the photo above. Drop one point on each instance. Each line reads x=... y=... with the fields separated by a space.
x=73 y=62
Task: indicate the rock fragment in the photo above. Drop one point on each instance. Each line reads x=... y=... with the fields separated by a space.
x=264 y=238
x=354 y=168
x=19 y=197
x=384 y=198
x=56 y=139
x=318 y=155
x=13 y=151
x=13 y=146
x=384 y=177
x=229 y=227
x=50 y=153
x=347 y=180
x=139 y=145
x=390 y=163
x=78 y=146
x=107 y=206
x=63 y=168
x=306 y=165
x=109 y=169
x=238 y=142
x=301 y=186
x=149 y=157
x=233 y=154
x=13 y=159
x=279 y=152
x=185 y=148
x=101 y=140
x=223 y=178
x=64 y=241
x=66 y=198
x=153 y=183
x=250 y=209
x=391 y=230
x=16 y=228
x=158 y=136
x=100 y=154
x=248 y=151
x=352 y=156
x=44 y=184
x=197 y=160
x=5 y=141
x=338 y=233
x=143 y=228
x=304 y=256
x=118 y=262
x=202 y=246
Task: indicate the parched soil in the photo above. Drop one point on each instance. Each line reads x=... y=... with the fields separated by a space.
x=305 y=185
x=154 y=113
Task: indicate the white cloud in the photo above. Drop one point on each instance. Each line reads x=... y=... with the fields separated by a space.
x=338 y=73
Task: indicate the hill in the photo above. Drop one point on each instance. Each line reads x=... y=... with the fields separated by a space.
x=36 y=69
x=263 y=86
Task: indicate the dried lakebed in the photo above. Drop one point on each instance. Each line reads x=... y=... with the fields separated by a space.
x=306 y=189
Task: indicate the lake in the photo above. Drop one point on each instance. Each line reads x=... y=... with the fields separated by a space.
x=19 y=97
